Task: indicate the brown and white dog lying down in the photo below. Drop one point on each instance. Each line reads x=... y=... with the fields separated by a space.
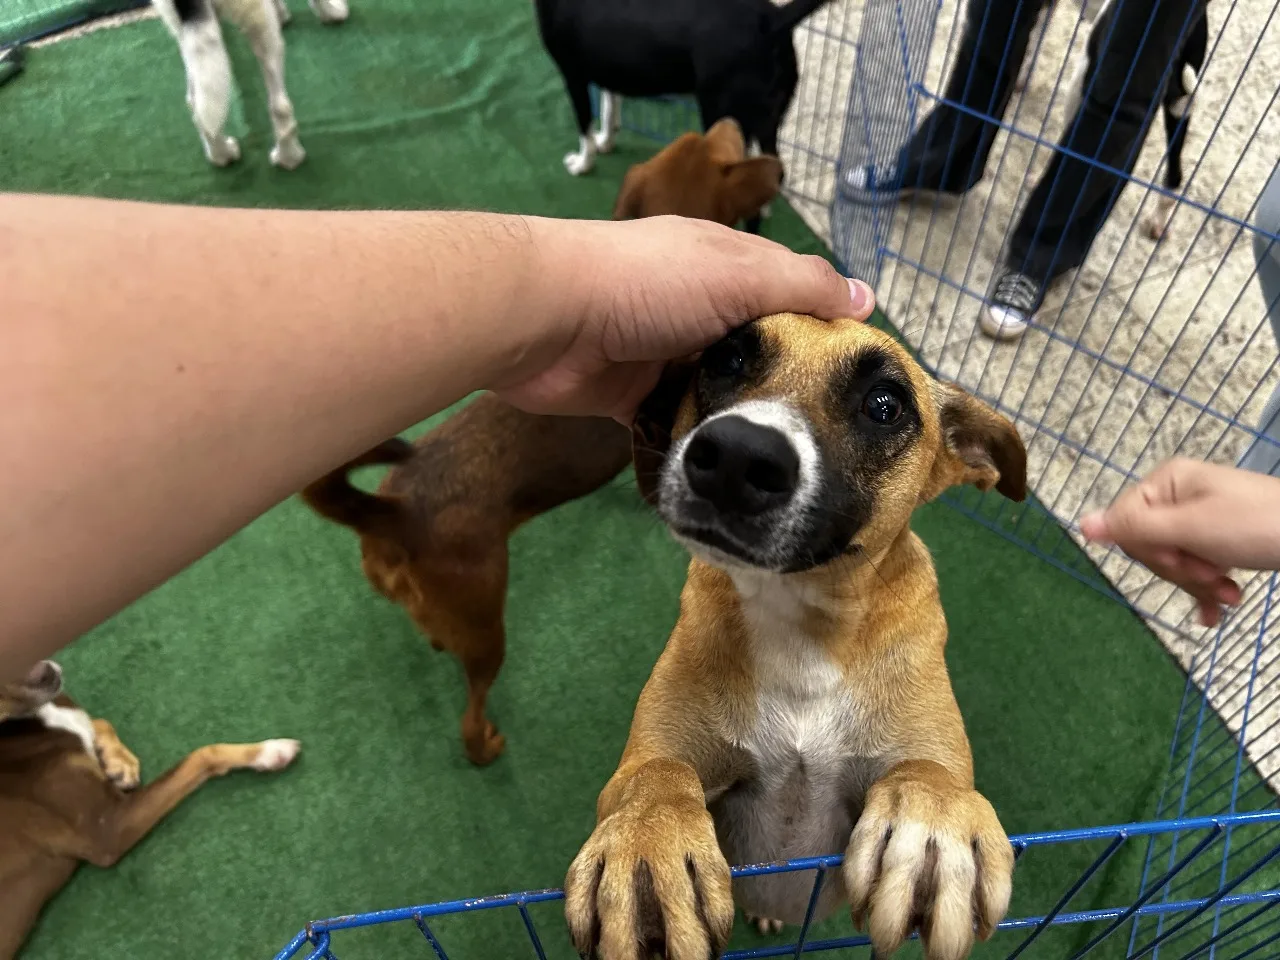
x=69 y=792
x=194 y=25
x=802 y=705
x=434 y=538
x=703 y=176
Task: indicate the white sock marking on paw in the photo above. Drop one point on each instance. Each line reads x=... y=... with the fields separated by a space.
x=582 y=161
x=276 y=754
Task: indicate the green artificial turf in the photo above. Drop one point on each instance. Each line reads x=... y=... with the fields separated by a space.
x=452 y=103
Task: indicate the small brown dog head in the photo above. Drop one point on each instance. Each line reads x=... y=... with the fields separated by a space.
x=24 y=697
x=706 y=177
x=794 y=441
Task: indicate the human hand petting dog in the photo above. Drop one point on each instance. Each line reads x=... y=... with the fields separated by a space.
x=1191 y=523
x=213 y=362
x=647 y=291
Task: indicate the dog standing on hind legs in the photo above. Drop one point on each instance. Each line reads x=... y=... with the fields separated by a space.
x=71 y=792
x=802 y=705
x=194 y=25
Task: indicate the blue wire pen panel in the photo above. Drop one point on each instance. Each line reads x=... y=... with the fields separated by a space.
x=1218 y=912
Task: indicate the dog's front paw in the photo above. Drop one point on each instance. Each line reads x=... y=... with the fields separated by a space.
x=651 y=880
x=929 y=856
x=603 y=140
x=222 y=151
x=579 y=163
x=119 y=764
x=288 y=154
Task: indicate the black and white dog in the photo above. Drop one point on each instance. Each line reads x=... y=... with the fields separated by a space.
x=194 y=24
x=1175 y=104
x=735 y=56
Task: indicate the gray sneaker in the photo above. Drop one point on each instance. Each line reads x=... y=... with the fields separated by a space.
x=1012 y=305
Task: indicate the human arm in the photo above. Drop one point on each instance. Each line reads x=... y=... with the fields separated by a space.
x=168 y=373
x=1192 y=523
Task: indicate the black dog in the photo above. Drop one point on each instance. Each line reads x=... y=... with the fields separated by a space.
x=735 y=56
x=1175 y=103
x=1176 y=109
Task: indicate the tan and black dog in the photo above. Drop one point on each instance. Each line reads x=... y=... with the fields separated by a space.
x=434 y=537
x=705 y=176
x=69 y=793
x=802 y=705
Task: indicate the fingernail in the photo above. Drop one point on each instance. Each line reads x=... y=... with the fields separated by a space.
x=860 y=294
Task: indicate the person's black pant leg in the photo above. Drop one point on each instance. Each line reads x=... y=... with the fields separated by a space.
x=949 y=150
x=1138 y=40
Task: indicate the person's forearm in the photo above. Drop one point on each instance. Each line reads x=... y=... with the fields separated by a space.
x=154 y=357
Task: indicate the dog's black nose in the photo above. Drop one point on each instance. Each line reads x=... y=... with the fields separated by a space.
x=740 y=466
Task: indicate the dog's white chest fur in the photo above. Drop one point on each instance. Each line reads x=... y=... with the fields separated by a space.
x=72 y=720
x=809 y=780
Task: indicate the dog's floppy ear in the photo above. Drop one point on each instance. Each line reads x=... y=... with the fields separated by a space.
x=726 y=142
x=630 y=202
x=750 y=184
x=979 y=446
x=651 y=430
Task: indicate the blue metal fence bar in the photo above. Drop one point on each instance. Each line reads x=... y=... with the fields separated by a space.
x=1223 y=891
x=1246 y=930
x=1066 y=898
x=1268 y=898
x=1217 y=215
x=1226 y=418
x=533 y=933
x=319 y=930
x=959 y=23
x=1268 y=835
x=1110 y=338
x=1010 y=226
x=1241 y=924
x=1253 y=950
x=431 y=937
x=1144 y=897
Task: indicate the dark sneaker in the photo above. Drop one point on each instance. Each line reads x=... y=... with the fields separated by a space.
x=1015 y=298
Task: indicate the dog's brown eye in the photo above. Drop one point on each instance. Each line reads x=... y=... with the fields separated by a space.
x=724 y=359
x=883 y=406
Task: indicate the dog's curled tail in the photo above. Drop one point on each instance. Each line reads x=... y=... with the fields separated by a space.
x=787 y=18
x=335 y=498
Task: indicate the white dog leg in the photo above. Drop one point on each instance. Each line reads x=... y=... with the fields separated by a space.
x=584 y=160
x=263 y=32
x=610 y=121
x=208 y=87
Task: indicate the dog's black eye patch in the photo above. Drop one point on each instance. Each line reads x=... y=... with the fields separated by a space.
x=874 y=390
x=733 y=357
x=730 y=363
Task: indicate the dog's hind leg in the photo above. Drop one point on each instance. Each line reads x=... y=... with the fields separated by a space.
x=1177 y=115
x=585 y=159
x=482 y=661
x=461 y=610
x=610 y=121
x=135 y=814
x=208 y=83
x=259 y=23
